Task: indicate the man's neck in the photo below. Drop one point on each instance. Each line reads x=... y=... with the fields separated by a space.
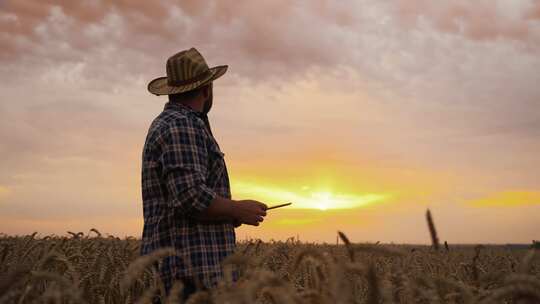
x=196 y=105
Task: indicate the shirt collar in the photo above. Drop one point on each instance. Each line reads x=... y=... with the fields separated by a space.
x=182 y=108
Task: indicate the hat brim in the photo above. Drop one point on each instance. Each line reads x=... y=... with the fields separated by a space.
x=160 y=86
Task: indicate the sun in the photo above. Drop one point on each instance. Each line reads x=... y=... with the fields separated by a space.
x=306 y=196
x=323 y=200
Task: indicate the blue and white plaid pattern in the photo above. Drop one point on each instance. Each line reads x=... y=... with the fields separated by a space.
x=182 y=171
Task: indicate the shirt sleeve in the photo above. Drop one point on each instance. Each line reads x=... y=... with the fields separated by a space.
x=184 y=161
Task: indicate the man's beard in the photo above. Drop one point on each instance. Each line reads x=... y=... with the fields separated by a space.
x=208 y=104
x=206 y=108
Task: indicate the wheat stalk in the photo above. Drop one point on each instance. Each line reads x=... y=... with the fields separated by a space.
x=432 y=231
x=136 y=268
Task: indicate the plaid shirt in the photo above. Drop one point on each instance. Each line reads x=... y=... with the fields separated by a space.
x=182 y=171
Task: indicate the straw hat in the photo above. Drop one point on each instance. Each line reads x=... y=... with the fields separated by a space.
x=186 y=71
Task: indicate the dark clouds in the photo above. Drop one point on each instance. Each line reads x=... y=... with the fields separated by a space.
x=271 y=39
x=261 y=34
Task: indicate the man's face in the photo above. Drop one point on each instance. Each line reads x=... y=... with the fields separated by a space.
x=209 y=100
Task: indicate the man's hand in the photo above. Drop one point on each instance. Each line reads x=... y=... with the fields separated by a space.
x=221 y=209
x=249 y=212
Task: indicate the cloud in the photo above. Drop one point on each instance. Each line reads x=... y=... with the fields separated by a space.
x=274 y=41
x=478 y=20
x=509 y=199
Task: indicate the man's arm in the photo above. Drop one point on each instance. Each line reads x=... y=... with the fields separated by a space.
x=184 y=159
x=242 y=212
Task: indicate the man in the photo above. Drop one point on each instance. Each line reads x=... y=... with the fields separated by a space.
x=187 y=201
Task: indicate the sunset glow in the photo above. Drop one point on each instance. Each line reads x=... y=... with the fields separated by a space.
x=305 y=197
x=386 y=109
x=509 y=199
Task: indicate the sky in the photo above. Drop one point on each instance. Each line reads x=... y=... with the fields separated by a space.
x=361 y=113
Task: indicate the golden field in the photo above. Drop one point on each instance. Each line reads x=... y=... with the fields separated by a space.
x=91 y=268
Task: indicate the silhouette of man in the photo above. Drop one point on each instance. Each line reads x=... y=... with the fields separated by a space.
x=186 y=194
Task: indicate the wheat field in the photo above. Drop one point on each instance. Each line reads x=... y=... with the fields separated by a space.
x=92 y=268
